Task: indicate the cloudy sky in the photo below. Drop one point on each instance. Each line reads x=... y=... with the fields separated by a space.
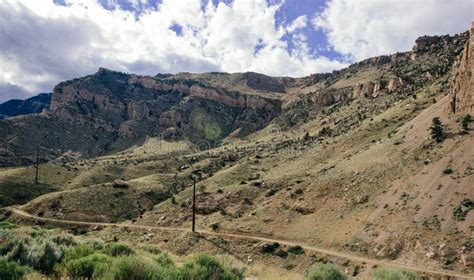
x=43 y=42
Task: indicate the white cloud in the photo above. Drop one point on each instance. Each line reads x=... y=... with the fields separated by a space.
x=44 y=43
x=362 y=29
x=299 y=22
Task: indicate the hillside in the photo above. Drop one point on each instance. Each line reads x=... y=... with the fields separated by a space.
x=17 y=107
x=343 y=160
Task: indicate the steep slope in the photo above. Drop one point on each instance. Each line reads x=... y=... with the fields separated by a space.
x=17 y=107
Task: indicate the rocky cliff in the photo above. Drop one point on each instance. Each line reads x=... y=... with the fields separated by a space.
x=462 y=83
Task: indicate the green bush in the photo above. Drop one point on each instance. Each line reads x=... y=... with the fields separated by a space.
x=465 y=122
x=270 y=247
x=203 y=266
x=163 y=260
x=62 y=239
x=389 y=273
x=41 y=253
x=16 y=250
x=447 y=171
x=134 y=268
x=79 y=251
x=6 y=225
x=463 y=209
x=91 y=266
x=12 y=270
x=118 y=249
x=44 y=255
x=296 y=250
x=325 y=271
x=151 y=249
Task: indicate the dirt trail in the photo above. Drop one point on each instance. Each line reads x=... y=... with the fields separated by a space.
x=351 y=257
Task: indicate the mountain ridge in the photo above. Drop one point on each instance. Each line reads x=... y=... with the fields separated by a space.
x=120 y=110
x=17 y=107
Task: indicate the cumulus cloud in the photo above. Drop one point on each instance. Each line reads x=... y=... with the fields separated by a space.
x=298 y=23
x=44 y=43
x=361 y=29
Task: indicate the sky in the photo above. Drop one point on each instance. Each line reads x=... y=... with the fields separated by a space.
x=44 y=42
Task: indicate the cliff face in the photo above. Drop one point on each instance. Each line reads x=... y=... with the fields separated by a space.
x=461 y=88
x=110 y=111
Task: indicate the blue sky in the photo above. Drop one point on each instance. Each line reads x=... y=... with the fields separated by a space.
x=45 y=42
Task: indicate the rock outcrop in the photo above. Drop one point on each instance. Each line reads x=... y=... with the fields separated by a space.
x=462 y=81
x=363 y=90
x=395 y=83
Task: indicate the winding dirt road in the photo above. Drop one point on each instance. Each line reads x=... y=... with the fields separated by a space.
x=343 y=255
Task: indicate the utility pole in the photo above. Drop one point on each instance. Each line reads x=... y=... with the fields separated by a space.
x=37 y=165
x=194 y=204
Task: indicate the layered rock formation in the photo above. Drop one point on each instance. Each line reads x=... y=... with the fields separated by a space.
x=461 y=87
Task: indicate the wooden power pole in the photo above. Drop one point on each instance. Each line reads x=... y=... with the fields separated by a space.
x=194 y=204
x=37 y=165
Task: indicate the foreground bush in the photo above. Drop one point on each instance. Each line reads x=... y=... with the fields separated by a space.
x=12 y=270
x=91 y=266
x=79 y=251
x=41 y=254
x=59 y=256
x=6 y=225
x=325 y=271
x=203 y=266
x=118 y=249
x=389 y=273
x=136 y=268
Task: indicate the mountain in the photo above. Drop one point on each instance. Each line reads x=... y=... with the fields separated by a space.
x=110 y=111
x=16 y=107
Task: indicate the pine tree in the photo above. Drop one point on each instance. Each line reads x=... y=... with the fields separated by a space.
x=437 y=130
x=465 y=122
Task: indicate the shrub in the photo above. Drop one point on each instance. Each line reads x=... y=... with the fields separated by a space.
x=270 y=247
x=44 y=255
x=79 y=251
x=296 y=250
x=281 y=253
x=389 y=273
x=118 y=249
x=163 y=260
x=6 y=225
x=16 y=250
x=91 y=266
x=465 y=122
x=447 y=171
x=325 y=271
x=134 y=268
x=41 y=253
x=151 y=249
x=12 y=270
x=203 y=266
x=463 y=209
x=63 y=239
